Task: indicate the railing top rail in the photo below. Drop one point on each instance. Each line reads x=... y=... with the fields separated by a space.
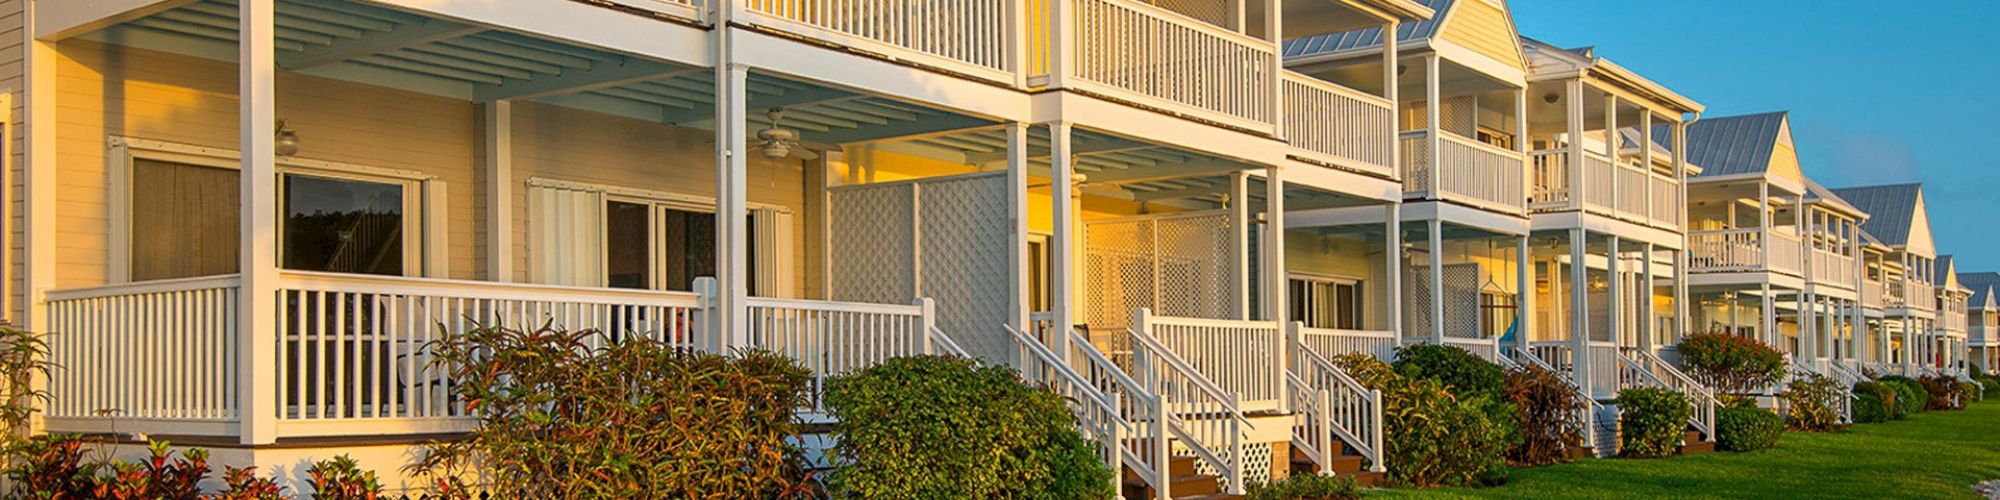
x=1190 y=22
x=1343 y=90
x=1381 y=334
x=1211 y=322
x=145 y=287
x=945 y=343
x=358 y=283
x=1479 y=145
x=1201 y=382
x=1041 y=352
x=1091 y=355
x=1313 y=357
x=1737 y=230
x=857 y=307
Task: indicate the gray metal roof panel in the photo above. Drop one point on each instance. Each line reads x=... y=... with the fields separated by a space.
x=1943 y=269
x=1890 y=209
x=1734 y=144
x=1982 y=285
x=1367 y=37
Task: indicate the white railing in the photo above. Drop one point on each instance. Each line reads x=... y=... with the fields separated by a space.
x=1587 y=412
x=1202 y=415
x=154 y=350
x=1487 y=349
x=1600 y=183
x=1330 y=342
x=1549 y=170
x=1833 y=268
x=1337 y=124
x=1154 y=56
x=1469 y=172
x=1912 y=294
x=352 y=347
x=1873 y=294
x=1330 y=408
x=1109 y=406
x=1638 y=368
x=1243 y=358
x=1726 y=250
x=1602 y=359
x=1785 y=254
x=975 y=37
x=830 y=339
x=1632 y=191
x=1666 y=201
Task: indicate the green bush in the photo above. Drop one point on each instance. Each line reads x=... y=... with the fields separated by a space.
x=564 y=419
x=1305 y=487
x=1989 y=383
x=1814 y=403
x=1943 y=392
x=1747 y=429
x=1463 y=373
x=1652 y=421
x=1731 y=364
x=1874 y=402
x=1971 y=392
x=1910 y=396
x=1546 y=418
x=1432 y=437
x=1006 y=437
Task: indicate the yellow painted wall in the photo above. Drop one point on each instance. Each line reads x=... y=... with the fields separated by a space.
x=13 y=76
x=1487 y=29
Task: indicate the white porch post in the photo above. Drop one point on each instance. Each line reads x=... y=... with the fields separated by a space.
x=1524 y=278
x=1239 y=242
x=1579 y=308
x=1768 y=325
x=1614 y=290
x=1392 y=255
x=1018 y=307
x=1274 y=245
x=1573 y=104
x=1432 y=116
x=256 y=310
x=499 y=191
x=1611 y=154
x=1646 y=340
x=1682 y=318
x=1437 y=277
x=1063 y=243
x=732 y=178
x=38 y=185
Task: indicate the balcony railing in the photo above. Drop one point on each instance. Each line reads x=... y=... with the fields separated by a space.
x=1157 y=57
x=1785 y=254
x=1738 y=250
x=1469 y=172
x=1338 y=125
x=1331 y=342
x=1666 y=201
x=1833 y=268
x=1628 y=191
x=1911 y=294
x=352 y=352
x=1873 y=294
x=974 y=37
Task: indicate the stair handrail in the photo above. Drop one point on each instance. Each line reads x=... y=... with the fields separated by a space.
x=1699 y=397
x=1096 y=409
x=941 y=343
x=1193 y=393
x=1590 y=408
x=1360 y=427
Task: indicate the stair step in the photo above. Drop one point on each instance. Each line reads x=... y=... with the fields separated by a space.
x=1176 y=467
x=1368 y=479
x=1177 y=487
x=1697 y=447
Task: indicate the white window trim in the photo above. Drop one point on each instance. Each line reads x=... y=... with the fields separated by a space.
x=658 y=201
x=425 y=196
x=1357 y=283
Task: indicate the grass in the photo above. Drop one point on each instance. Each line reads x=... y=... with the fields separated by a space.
x=1931 y=455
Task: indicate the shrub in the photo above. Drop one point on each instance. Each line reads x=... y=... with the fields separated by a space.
x=1546 y=418
x=339 y=478
x=1910 y=396
x=1651 y=420
x=1943 y=392
x=1365 y=369
x=1007 y=438
x=1874 y=402
x=1306 y=487
x=243 y=484
x=1463 y=373
x=1430 y=436
x=51 y=466
x=1747 y=429
x=1970 y=392
x=1814 y=403
x=1731 y=364
x=1990 y=384
x=634 y=418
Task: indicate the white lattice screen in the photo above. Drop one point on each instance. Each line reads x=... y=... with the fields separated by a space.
x=945 y=238
x=1461 y=301
x=1176 y=264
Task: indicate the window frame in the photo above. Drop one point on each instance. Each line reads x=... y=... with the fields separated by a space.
x=425 y=247
x=1358 y=285
x=658 y=202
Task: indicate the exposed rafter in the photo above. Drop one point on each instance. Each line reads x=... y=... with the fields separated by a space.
x=402 y=37
x=574 y=81
x=791 y=98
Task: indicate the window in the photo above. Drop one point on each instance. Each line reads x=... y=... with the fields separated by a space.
x=184 y=220
x=622 y=238
x=1321 y=302
x=1041 y=287
x=345 y=225
x=628 y=241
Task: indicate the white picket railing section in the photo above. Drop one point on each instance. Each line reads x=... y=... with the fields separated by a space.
x=831 y=339
x=1786 y=256
x=1602 y=359
x=1638 y=368
x=1110 y=407
x=1726 y=250
x=1331 y=408
x=1873 y=294
x=1834 y=269
x=974 y=37
x=1912 y=294
x=1205 y=417
x=1487 y=349
x=1550 y=174
x=1331 y=342
x=1243 y=358
x=1154 y=56
x=1339 y=125
x=1469 y=172
x=1632 y=191
x=159 y=349
x=1600 y=186
x=1666 y=201
x=1587 y=412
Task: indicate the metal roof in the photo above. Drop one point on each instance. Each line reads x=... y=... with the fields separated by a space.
x=1734 y=144
x=1982 y=285
x=1943 y=270
x=1816 y=193
x=1890 y=209
x=1364 y=38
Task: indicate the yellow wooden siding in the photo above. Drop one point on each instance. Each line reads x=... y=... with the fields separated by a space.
x=1785 y=162
x=109 y=90
x=1485 y=28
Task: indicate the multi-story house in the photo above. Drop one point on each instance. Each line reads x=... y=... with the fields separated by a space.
x=1899 y=219
x=1948 y=352
x=1982 y=332
x=285 y=197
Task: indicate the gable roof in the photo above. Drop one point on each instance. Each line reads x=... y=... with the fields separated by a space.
x=1891 y=209
x=1733 y=145
x=1816 y=193
x=1944 y=271
x=1982 y=285
x=1333 y=43
x=1486 y=20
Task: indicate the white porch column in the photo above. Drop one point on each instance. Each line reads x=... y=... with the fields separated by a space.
x=1611 y=154
x=256 y=310
x=732 y=179
x=1614 y=291
x=1524 y=297
x=1274 y=245
x=1682 y=318
x=1432 y=116
x=1018 y=307
x=1767 y=326
x=499 y=145
x=1239 y=229
x=1645 y=302
x=1579 y=308
x=1437 y=278
x=1063 y=241
x=38 y=186
x=1392 y=255
x=1573 y=105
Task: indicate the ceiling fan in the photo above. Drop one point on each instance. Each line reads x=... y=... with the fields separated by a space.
x=778 y=142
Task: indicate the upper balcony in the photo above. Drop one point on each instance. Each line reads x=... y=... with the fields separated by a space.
x=1744 y=250
x=1625 y=189
x=1464 y=170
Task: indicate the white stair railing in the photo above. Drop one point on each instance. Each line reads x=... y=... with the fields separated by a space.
x=1244 y=358
x=1328 y=405
x=1098 y=396
x=1638 y=368
x=1587 y=413
x=1205 y=418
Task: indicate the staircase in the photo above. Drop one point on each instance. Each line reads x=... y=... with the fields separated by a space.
x=1182 y=480
x=1600 y=422
x=1639 y=368
x=1346 y=463
x=1692 y=443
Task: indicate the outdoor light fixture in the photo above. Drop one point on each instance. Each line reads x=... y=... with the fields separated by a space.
x=1551 y=97
x=287 y=141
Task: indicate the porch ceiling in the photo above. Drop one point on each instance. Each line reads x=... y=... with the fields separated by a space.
x=368 y=44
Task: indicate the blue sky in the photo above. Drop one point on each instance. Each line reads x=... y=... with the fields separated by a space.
x=1879 y=93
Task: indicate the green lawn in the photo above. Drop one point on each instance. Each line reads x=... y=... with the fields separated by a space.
x=1932 y=455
